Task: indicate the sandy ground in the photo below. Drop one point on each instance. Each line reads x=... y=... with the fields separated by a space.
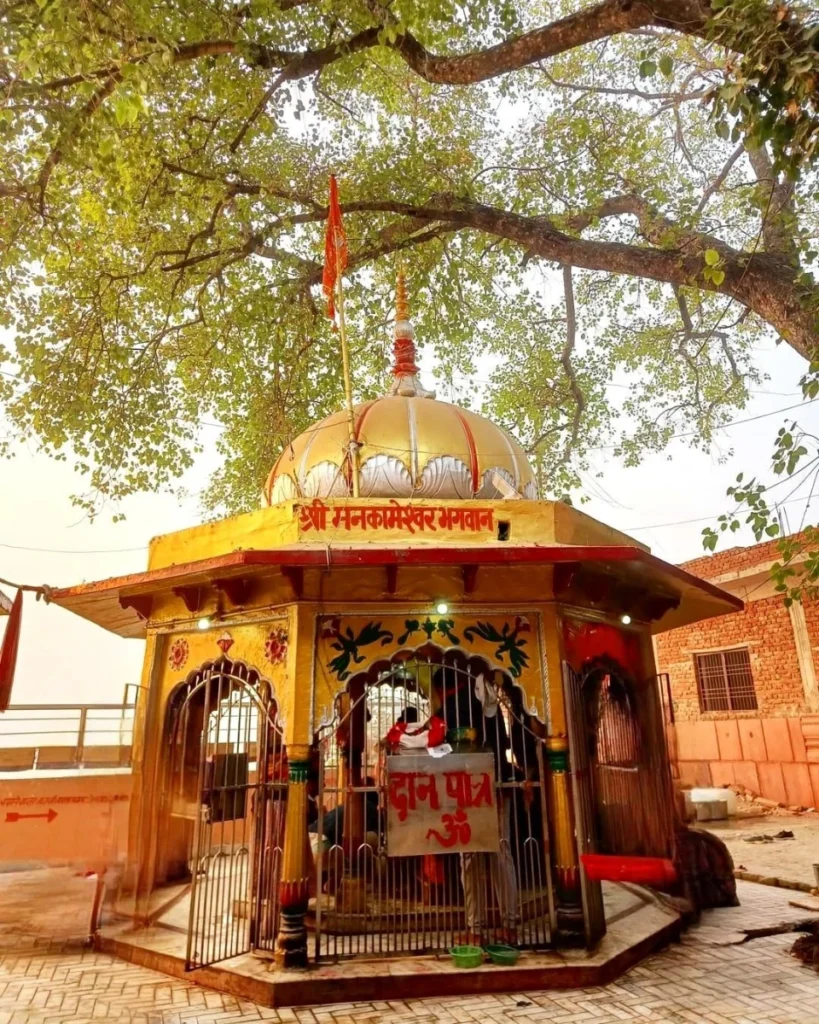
x=790 y=859
x=53 y=903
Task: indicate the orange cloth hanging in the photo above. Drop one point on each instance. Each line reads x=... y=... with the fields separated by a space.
x=335 y=249
x=8 y=651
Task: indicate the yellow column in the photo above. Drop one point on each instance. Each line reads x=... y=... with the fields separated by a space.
x=552 y=628
x=295 y=702
x=294 y=886
x=146 y=774
x=564 y=843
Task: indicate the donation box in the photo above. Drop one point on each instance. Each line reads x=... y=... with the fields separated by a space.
x=441 y=804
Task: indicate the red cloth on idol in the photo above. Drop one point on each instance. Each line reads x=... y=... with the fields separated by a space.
x=436 y=733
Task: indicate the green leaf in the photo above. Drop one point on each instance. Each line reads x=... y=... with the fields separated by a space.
x=711 y=257
x=667 y=65
x=647 y=68
x=122 y=109
x=718 y=276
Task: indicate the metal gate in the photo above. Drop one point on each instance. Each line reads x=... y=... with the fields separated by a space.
x=621 y=776
x=630 y=775
x=594 y=914
x=372 y=905
x=227 y=756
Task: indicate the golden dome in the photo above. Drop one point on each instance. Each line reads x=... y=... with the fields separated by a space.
x=409 y=445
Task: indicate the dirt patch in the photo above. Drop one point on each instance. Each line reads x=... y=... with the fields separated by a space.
x=790 y=859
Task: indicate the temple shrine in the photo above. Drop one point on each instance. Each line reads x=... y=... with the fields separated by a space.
x=401 y=707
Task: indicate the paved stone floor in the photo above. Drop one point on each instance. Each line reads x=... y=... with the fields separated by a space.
x=703 y=980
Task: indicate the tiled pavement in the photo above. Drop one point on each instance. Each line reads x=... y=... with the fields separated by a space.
x=49 y=981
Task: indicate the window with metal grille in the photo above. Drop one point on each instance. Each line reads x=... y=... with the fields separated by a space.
x=725 y=681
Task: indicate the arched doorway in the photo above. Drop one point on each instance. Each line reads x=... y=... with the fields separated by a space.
x=621 y=779
x=629 y=773
x=372 y=903
x=222 y=820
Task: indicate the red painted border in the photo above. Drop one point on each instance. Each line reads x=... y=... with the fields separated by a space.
x=362 y=415
x=473 y=451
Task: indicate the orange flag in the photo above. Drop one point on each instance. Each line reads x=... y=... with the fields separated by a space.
x=8 y=650
x=335 y=249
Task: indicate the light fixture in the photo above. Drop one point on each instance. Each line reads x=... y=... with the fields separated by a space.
x=442 y=607
x=625 y=619
x=204 y=622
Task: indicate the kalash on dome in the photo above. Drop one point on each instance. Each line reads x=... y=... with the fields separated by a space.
x=404 y=708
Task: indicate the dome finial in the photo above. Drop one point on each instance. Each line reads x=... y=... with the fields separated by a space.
x=401 y=303
x=404 y=368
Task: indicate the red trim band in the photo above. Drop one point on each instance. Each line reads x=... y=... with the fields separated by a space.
x=473 y=451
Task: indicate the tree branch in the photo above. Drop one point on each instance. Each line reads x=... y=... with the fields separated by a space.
x=606 y=90
x=566 y=360
x=58 y=150
x=598 y=21
x=763 y=282
x=778 y=214
x=719 y=181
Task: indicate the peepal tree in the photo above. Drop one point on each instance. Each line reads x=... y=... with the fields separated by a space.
x=583 y=194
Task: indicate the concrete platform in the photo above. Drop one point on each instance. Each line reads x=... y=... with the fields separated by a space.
x=638 y=924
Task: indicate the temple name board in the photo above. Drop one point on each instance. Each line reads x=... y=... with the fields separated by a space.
x=395 y=517
x=441 y=805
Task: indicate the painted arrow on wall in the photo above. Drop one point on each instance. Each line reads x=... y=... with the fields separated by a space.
x=50 y=815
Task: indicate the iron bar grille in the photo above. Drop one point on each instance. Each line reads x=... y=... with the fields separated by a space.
x=369 y=904
x=225 y=792
x=630 y=779
x=725 y=681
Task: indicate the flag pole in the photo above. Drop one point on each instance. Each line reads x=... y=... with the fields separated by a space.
x=348 y=386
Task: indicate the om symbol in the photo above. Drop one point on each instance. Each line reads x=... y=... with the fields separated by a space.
x=457 y=830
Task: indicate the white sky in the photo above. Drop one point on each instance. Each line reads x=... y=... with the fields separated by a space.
x=44 y=539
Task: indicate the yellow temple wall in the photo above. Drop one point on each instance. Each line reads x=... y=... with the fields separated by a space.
x=304 y=683
x=351 y=641
x=571 y=526
x=258 y=639
x=291 y=523
x=293 y=647
x=294 y=629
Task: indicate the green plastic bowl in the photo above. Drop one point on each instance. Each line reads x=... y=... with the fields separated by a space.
x=466 y=956
x=506 y=956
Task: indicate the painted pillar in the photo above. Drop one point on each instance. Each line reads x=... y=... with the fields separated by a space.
x=553 y=669
x=294 y=886
x=296 y=709
x=564 y=844
x=147 y=766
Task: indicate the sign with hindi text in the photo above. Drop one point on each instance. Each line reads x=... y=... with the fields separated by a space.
x=396 y=517
x=441 y=805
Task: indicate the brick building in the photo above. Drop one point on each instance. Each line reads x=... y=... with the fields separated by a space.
x=744 y=687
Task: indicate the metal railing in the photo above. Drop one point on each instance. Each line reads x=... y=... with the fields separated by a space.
x=66 y=736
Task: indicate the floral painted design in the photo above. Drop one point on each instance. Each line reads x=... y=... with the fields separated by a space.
x=225 y=642
x=275 y=647
x=429 y=627
x=508 y=640
x=179 y=653
x=348 y=644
